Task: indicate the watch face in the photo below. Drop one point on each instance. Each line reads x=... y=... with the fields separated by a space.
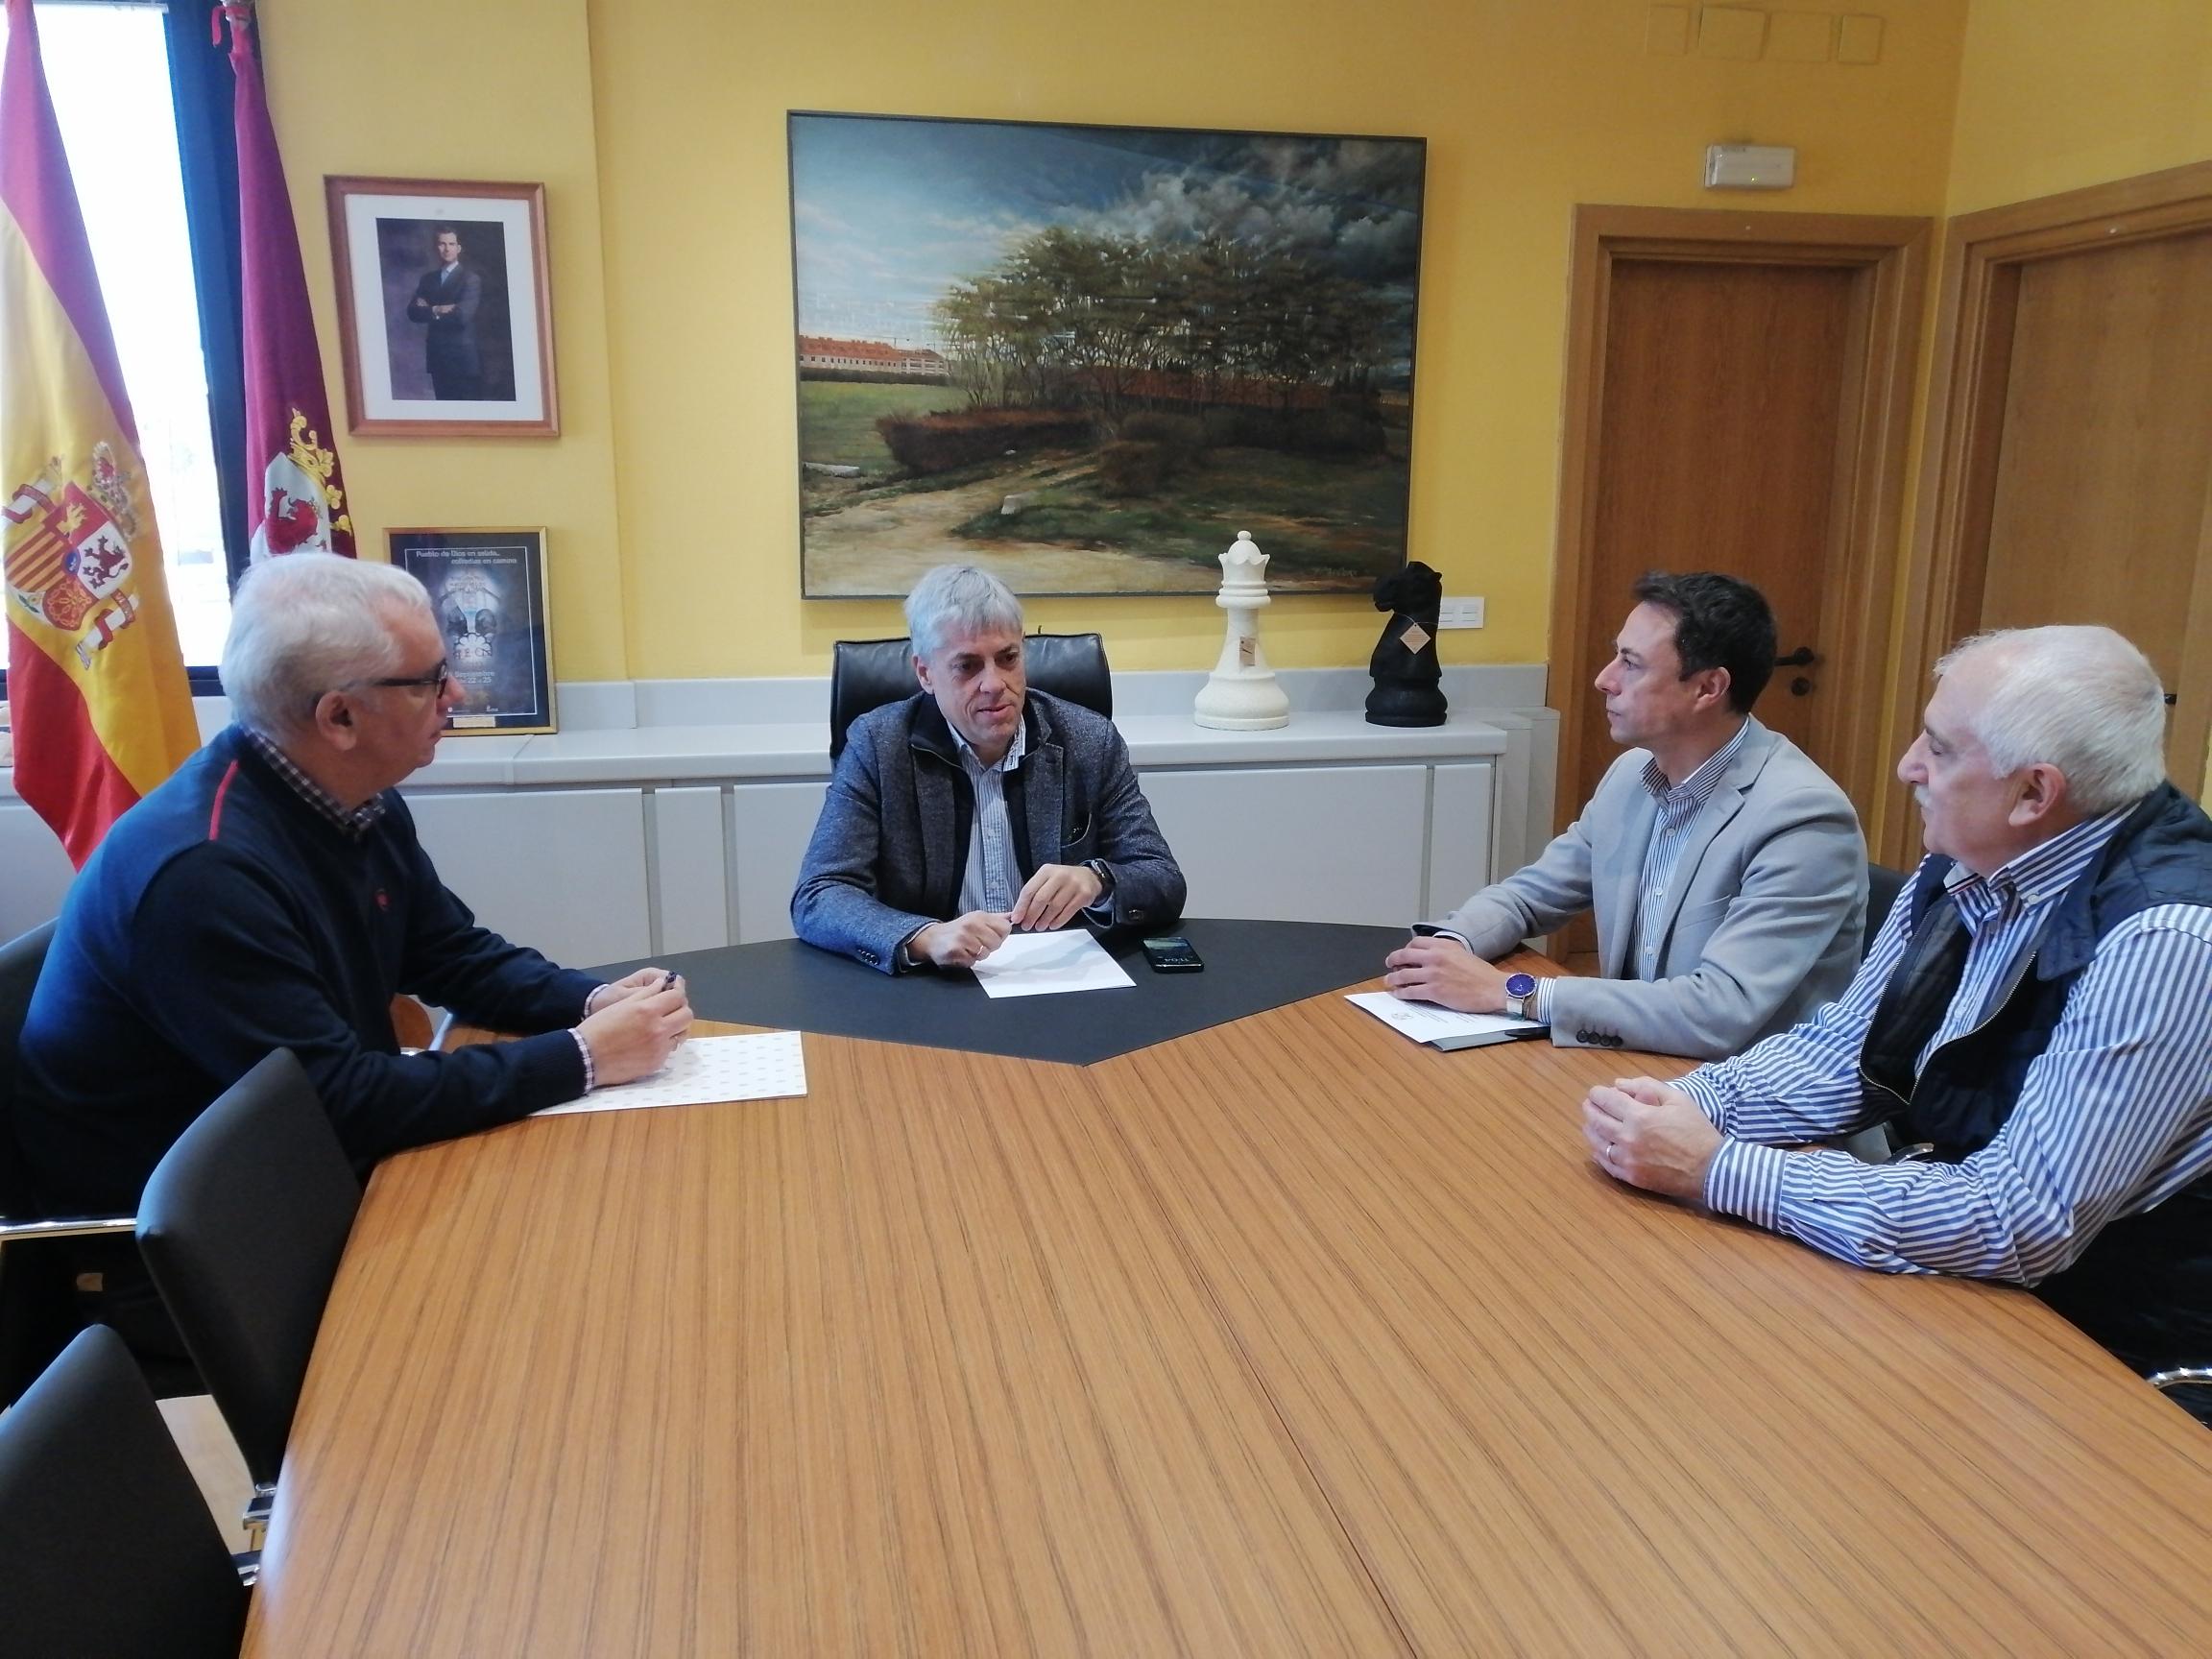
x=1521 y=985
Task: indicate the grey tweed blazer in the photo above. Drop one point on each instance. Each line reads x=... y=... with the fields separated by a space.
x=891 y=844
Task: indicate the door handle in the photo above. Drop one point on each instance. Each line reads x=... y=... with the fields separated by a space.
x=1801 y=657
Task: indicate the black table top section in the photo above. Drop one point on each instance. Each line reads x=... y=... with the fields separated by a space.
x=1250 y=966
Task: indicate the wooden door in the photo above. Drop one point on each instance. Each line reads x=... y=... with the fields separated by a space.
x=1725 y=390
x=1738 y=392
x=2069 y=448
x=2104 y=463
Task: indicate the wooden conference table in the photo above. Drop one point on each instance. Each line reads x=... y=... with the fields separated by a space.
x=1283 y=1336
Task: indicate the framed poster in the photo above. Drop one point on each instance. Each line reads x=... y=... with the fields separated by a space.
x=443 y=308
x=488 y=590
x=1085 y=357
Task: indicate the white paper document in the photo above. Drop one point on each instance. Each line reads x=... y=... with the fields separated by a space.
x=705 y=1071
x=1443 y=1027
x=1039 y=964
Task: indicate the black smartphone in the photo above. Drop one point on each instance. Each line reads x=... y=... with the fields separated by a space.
x=1173 y=955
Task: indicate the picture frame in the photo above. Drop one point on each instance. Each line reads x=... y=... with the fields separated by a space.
x=488 y=590
x=445 y=307
x=1085 y=357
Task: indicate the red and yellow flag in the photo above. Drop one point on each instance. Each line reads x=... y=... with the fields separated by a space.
x=102 y=710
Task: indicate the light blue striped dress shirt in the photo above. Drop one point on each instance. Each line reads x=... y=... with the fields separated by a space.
x=2115 y=1115
x=991 y=878
x=1679 y=804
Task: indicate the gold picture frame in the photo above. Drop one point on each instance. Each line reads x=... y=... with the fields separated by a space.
x=488 y=590
x=445 y=307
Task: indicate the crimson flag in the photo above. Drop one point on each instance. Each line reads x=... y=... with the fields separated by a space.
x=295 y=494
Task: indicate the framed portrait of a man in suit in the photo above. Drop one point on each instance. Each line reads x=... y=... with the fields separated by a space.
x=444 y=303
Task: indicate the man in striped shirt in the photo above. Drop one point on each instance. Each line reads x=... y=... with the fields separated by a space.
x=2034 y=1012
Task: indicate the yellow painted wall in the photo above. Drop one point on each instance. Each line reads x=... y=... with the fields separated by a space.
x=423 y=89
x=657 y=126
x=2053 y=94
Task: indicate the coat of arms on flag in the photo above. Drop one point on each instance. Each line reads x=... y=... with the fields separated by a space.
x=68 y=552
x=301 y=503
x=103 y=711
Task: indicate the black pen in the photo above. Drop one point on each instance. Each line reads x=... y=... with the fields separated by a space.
x=669 y=983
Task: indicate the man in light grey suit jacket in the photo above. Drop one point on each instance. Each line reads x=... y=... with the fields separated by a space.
x=1726 y=870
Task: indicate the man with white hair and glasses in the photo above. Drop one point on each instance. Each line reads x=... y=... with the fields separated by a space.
x=2034 y=1012
x=271 y=894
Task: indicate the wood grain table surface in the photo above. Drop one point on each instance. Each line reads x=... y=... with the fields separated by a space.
x=1287 y=1337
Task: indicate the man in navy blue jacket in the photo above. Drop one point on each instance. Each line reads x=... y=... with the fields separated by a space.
x=271 y=894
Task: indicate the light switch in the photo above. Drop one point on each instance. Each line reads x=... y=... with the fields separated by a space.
x=1460 y=612
x=1730 y=32
x=1859 y=39
x=1799 y=36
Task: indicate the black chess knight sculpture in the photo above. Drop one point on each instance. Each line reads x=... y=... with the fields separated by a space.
x=1408 y=677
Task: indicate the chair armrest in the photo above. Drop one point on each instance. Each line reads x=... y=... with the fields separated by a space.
x=64 y=1227
x=2182 y=1377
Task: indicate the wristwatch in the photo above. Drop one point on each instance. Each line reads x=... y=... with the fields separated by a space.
x=1521 y=995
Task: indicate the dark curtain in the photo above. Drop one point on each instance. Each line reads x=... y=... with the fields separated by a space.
x=202 y=87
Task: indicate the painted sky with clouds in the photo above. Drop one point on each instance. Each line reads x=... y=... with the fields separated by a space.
x=889 y=214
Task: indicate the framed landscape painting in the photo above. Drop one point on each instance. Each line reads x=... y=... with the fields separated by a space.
x=1085 y=357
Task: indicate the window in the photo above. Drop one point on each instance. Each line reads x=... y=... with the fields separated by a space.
x=108 y=67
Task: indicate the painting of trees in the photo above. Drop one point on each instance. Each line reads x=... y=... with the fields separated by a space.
x=1144 y=333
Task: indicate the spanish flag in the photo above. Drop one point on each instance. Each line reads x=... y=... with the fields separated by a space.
x=102 y=710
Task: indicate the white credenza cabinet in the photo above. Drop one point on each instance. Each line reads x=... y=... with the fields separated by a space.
x=605 y=875
x=616 y=841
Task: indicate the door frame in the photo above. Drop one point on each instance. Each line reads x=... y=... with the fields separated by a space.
x=1977 y=294
x=1889 y=256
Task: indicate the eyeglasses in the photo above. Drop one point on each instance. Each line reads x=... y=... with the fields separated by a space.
x=434 y=681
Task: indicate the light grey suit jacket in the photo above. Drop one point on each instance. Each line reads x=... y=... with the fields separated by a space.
x=1761 y=923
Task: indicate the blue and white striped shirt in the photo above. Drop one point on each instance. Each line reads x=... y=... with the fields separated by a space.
x=2114 y=1115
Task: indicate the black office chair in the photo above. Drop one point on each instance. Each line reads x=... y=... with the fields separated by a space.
x=1883 y=885
x=242 y=1226
x=38 y=1310
x=106 y=1545
x=866 y=674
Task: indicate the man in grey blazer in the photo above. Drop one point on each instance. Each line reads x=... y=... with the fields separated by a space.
x=1726 y=870
x=977 y=806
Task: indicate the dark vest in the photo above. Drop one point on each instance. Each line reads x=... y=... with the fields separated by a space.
x=931 y=735
x=2144 y=1285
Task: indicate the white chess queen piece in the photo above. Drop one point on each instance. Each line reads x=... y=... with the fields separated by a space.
x=1240 y=694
